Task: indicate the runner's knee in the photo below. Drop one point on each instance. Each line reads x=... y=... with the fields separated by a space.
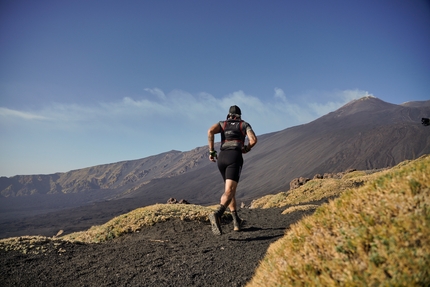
x=230 y=187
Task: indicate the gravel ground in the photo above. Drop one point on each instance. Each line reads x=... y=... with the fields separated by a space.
x=172 y=253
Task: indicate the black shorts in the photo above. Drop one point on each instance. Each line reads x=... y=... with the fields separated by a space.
x=230 y=164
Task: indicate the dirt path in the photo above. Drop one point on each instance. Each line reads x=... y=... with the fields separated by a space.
x=173 y=253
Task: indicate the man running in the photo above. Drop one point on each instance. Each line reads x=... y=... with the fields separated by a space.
x=233 y=132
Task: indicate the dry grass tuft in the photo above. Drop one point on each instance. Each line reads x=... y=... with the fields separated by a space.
x=138 y=219
x=304 y=207
x=377 y=234
x=27 y=244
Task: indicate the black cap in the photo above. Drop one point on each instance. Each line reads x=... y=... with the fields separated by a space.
x=235 y=110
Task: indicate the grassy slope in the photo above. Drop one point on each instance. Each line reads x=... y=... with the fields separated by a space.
x=377 y=234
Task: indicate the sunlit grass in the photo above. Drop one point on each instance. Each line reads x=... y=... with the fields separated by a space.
x=377 y=234
x=314 y=190
x=130 y=222
x=141 y=218
x=304 y=207
x=26 y=244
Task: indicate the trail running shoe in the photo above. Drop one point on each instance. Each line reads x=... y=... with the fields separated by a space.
x=238 y=224
x=216 y=223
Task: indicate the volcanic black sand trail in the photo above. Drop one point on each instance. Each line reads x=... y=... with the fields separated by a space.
x=172 y=253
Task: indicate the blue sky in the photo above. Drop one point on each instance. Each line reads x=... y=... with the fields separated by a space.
x=90 y=82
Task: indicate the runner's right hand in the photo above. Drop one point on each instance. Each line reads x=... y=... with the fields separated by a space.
x=213 y=155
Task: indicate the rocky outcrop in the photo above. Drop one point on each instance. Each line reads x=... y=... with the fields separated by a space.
x=299 y=181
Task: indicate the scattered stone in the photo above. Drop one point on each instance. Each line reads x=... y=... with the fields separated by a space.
x=318 y=176
x=338 y=175
x=328 y=175
x=297 y=182
x=174 y=201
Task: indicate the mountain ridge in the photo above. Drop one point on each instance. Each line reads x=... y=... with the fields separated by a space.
x=119 y=175
x=365 y=134
x=357 y=126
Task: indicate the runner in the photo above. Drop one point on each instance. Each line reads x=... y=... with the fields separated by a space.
x=233 y=133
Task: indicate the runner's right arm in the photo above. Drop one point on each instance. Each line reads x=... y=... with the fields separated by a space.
x=215 y=129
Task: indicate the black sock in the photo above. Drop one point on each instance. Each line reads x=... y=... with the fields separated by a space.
x=221 y=210
x=235 y=216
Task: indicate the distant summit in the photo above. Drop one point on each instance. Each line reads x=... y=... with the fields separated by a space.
x=365 y=104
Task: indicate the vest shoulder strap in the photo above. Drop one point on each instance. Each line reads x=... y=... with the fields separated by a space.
x=241 y=130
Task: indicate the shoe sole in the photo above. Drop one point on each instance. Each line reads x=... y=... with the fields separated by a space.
x=216 y=225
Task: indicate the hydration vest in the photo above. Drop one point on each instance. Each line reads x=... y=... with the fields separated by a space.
x=232 y=131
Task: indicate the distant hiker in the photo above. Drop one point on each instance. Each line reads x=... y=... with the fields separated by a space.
x=233 y=133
